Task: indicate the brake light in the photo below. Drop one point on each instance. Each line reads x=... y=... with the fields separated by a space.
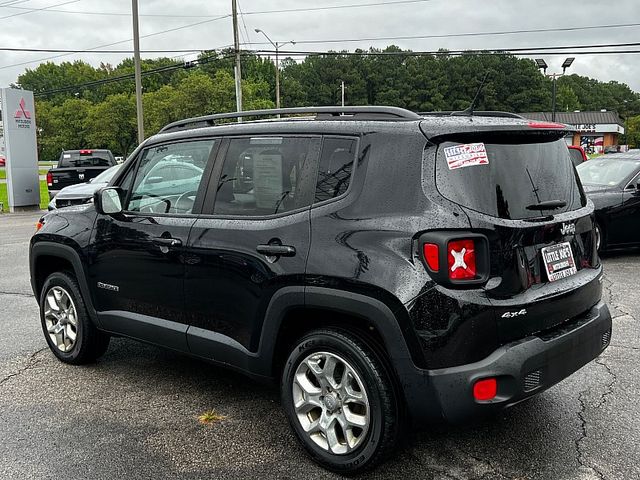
x=86 y=152
x=49 y=179
x=461 y=258
x=485 y=389
x=431 y=253
x=552 y=125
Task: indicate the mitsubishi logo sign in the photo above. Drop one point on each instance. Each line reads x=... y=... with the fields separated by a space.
x=22 y=115
x=22 y=111
x=18 y=114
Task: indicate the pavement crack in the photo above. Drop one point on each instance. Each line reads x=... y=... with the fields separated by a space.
x=19 y=294
x=583 y=435
x=609 y=388
x=32 y=361
x=492 y=472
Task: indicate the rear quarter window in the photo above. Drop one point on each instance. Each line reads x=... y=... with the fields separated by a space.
x=521 y=171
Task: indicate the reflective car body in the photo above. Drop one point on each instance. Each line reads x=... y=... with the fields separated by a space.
x=612 y=184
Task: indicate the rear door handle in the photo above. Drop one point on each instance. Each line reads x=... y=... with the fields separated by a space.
x=276 y=250
x=167 y=242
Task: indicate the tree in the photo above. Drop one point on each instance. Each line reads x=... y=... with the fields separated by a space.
x=632 y=131
x=112 y=124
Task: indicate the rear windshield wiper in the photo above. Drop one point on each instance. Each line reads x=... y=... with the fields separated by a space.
x=547 y=205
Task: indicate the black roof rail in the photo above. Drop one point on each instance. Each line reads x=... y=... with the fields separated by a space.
x=476 y=113
x=330 y=113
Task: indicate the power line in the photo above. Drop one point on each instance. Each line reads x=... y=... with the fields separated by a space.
x=95 y=49
x=129 y=76
x=206 y=59
x=32 y=10
x=294 y=52
x=292 y=10
x=244 y=25
x=467 y=34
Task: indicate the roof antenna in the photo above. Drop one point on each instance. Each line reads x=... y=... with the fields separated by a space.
x=469 y=110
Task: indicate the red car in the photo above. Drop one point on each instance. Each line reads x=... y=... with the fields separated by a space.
x=2 y=161
x=577 y=155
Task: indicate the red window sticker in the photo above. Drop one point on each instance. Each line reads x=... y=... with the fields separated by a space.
x=466 y=155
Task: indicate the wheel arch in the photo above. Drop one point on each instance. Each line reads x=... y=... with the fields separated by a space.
x=47 y=257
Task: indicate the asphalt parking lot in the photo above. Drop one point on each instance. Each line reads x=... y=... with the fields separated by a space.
x=134 y=414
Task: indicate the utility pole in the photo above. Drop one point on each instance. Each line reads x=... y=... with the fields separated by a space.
x=343 y=93
x=138 y=73
x=236 y=46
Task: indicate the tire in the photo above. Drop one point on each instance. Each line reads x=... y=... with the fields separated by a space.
x=357 y=372
x=599 y=240
x=71 y=318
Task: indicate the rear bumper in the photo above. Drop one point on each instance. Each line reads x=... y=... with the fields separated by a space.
x=522 y=369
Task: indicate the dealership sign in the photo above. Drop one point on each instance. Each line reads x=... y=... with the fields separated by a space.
x=18 y=119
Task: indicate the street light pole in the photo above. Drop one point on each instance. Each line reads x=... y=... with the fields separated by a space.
x=542 y=65
x=277 y=46
x=237 y=69
x=138 y=73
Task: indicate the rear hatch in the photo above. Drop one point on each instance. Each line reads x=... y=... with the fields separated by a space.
x=521 y=191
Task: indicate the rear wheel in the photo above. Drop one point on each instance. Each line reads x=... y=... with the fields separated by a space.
x=340 y=401
x=70 y=333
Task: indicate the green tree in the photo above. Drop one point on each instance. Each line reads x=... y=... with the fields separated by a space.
x=112 y=124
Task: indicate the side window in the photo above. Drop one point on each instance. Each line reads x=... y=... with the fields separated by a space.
x=267 y=175
x=168 y=177
x=336 y=165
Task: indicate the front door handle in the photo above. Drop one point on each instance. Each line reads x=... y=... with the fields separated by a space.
x=273 y=250
x=167 y=242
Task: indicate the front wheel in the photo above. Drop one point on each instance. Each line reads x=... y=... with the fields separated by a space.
x=69 y=331
x=340 y=401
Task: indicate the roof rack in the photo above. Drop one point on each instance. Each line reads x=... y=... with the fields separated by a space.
x=321 y=113
x=476 y=113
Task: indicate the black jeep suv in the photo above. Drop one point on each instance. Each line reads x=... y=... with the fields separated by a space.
x=386 y=268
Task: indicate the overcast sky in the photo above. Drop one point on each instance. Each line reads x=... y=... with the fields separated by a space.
x=55 y=29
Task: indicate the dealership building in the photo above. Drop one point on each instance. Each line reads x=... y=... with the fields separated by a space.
x=594 y=130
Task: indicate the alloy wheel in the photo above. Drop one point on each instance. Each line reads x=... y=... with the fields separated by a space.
x=331 y=402
x=61 y=318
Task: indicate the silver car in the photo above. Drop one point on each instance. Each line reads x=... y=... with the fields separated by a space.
x=82 y=192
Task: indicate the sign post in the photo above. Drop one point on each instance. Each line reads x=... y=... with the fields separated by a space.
x=19 y=125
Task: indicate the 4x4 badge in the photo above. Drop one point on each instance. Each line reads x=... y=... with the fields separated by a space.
x=568 y=228
x=514 y=314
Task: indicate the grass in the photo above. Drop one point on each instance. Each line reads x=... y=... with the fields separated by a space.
x=210 y=417
x=3 y=172
x=44 y=196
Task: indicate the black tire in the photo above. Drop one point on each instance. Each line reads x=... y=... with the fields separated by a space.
x=90 y=343
x=384 y=406
x=600 y=243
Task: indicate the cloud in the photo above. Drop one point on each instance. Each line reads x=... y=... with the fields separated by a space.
x=47 y=29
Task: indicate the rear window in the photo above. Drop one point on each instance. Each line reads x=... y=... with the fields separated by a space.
x=92 y=159
x=576 y=156
x=508 y=175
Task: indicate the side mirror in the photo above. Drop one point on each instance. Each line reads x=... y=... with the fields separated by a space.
x=107 y=201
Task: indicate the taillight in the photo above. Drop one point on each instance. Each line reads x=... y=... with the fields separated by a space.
x=86 y=152
x=431 y=254
x=49 y=179
x=485 y=389
x=461 y=258
x=456 y=259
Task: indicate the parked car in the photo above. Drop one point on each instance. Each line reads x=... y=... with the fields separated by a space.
x=3 y=161
x=613 y=184
x=387 y=270
x=78 y=166
x=83 y=192
x=610 y=149
x=577 y=154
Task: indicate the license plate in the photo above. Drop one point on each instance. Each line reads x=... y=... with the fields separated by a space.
x=558 y=261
